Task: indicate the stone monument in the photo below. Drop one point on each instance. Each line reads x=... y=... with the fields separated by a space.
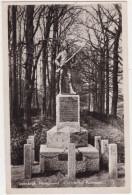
x=54 y=155
x=67 y=129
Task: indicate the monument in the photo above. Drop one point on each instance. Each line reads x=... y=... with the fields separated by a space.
x=67 y=127
x=54 y=155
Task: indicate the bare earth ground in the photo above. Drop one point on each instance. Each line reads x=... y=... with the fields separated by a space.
x=57 y=179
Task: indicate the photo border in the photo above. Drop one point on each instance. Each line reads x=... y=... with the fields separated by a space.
x=75 y=190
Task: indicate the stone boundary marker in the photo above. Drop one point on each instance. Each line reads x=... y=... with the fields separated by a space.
x=27 y=161
x=104 y=154
x=97 y=142
x=71 y=161
x=97 y=145
x=33 y=137
x=113 y=174
x=42 y=164
x=31 y=141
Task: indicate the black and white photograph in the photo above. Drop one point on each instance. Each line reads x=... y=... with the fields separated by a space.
x=66 y=77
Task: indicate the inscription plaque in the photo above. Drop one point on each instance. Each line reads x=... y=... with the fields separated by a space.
x=64 y=157
x=68 y=109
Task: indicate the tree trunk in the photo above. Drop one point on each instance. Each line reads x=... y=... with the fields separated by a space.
x=14 y=76
x=101 y=98
x=115 y=75
x=29 y=63
x=20 y=78
x=19 y=61
x=10 y=85
x=89 y=97
x=103 y=95
x=37 y=102
x=115 y=67
x=44 y=60
x=96 y=92
x=107 y=76
x=100 y=85
x=10 y=59
x=53 y=68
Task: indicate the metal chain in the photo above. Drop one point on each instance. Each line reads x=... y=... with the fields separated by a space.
x=53 y=156
x=84 y=154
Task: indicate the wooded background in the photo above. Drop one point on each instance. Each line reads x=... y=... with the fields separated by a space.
x=35 y=35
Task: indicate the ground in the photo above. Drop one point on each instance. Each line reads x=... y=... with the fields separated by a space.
x=57 y=179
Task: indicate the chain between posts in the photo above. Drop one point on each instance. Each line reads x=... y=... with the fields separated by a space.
x=86 y=156
x=53 y=156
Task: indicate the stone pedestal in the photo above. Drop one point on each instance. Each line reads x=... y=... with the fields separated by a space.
x=56 y=159
x=54 y=155
x=67 y=129
x=62 y=138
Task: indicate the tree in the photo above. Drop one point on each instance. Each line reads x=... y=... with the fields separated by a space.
x=117 y=21
x=116 y=62
x=14 y=71
x=29 y=83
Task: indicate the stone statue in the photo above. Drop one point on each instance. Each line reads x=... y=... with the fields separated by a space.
x=61 y=62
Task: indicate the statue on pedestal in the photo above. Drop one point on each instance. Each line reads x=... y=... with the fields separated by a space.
x=63 y=64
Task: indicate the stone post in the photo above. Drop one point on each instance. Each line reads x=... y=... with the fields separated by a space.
x=27 y=161
x=31 y=141
x=71 y=161
x=113 y=174
x=104 y=154
x=97 y=145
x=31 y=137
x=97 y=142
x=42 y=168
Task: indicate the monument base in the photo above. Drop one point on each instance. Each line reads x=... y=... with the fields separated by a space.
x=66 y=135
x=56 y=159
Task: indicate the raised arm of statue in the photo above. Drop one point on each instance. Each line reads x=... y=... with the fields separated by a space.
x=57 y=60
